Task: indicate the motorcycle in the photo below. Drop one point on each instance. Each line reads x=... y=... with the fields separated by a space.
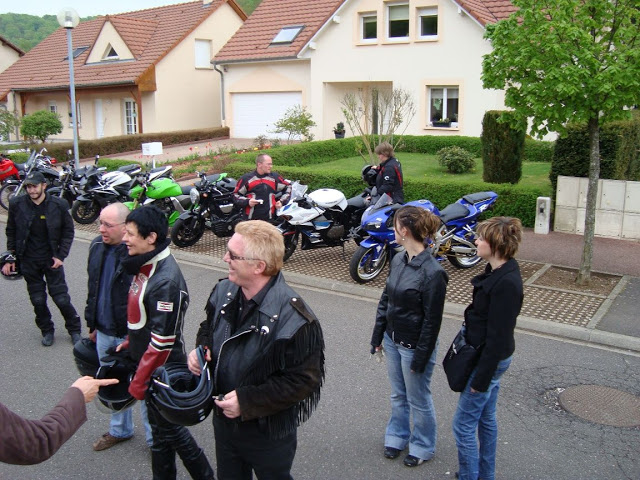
x=212 y=207
x=152 y=189
x=37 y=161
x=71 y=179
x=454 y=240
x=323 y=218
x=8 y=169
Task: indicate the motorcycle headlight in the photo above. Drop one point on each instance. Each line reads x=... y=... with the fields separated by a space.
x=375 y=225
x=194 y=194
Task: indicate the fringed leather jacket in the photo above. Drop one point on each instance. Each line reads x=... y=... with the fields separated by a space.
x=274 y=360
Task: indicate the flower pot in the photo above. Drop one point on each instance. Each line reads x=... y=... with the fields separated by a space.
x=339 y=135
x=441 y=124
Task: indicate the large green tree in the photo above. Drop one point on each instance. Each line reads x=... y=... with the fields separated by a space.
x=563 y=61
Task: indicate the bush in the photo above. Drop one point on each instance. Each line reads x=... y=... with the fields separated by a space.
x=41 y=125
x=296 y=123
x=456 y=159
x=502 y=146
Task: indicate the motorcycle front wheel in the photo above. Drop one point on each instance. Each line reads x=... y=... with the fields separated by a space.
x=290 y=244
x=85 y=211
x=7 y=192
x=367 y=263
x=187 y=232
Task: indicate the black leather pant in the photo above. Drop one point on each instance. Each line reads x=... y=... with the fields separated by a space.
x=169 y=439
x=243 y=447
x=40 y=276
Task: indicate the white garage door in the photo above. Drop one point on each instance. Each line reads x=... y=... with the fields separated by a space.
x=255 y=113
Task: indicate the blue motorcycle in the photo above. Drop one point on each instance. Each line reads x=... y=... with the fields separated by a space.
x=455 y=239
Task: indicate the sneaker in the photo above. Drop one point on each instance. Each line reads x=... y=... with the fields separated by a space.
x=107 y=441
x=76 y=337
x=391 y=453
x=411 y=461
x=47 y=339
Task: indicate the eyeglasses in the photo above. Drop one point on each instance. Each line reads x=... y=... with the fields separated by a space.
x=233 y=256
x=110 y=225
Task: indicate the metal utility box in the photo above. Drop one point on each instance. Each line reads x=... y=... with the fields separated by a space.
x=543 y=215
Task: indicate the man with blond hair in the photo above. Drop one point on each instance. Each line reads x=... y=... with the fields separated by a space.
x=268 y=351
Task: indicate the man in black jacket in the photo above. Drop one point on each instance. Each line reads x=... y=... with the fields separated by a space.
x=40 y=232
x=266 y=350
x=106 y=309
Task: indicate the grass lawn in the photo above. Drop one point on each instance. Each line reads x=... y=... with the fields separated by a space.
x=418 y=165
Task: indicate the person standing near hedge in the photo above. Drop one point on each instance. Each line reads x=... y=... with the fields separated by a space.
x=389 y=179
x=407 y=325
x=489 y=323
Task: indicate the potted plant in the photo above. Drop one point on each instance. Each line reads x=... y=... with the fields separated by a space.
x=339 y=130
x=443 y=122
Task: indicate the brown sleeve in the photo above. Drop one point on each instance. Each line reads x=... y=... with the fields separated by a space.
x=27 y=442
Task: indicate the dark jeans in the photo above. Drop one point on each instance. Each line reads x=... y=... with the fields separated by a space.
x=35 y=273
x=244 y=446
x=169 y=439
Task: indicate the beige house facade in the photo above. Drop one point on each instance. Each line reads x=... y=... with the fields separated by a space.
x=9 y=54
x=432 y=49
x=138 y=72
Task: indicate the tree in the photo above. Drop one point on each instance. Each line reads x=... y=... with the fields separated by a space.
x=568 y=60
x=296 y=122
x=8 y=123
x=41 y=124
x=377 y=115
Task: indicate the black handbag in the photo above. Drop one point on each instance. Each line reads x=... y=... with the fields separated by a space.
x=459 y=362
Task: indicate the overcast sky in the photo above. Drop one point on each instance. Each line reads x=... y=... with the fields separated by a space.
x=85 y=8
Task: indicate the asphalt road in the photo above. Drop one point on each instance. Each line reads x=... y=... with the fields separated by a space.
x=343 y=439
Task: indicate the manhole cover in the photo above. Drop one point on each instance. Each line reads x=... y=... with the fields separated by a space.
x=603 y=405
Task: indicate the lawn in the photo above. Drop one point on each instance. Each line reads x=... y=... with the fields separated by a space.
x=419 y=165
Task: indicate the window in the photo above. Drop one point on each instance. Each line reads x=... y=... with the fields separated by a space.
x=398 y=21
x=78 y=114
x=76 y=52
x=428 y=22
x=287 y=34
x=443 y=104
x=369 y=27
x=203 y=53
x=110 y=54
x=130 y=117
x=53 y=107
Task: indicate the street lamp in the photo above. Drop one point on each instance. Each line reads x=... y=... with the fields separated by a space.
x=68 y=19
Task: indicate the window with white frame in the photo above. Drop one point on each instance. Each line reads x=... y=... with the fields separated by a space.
x=428 y=23
x=53 y=107
x=130 y=117
x=368 y=27
x=78 y=114
x=203 y=53
x=443 y=105
x=398 y=21
x=110 y=54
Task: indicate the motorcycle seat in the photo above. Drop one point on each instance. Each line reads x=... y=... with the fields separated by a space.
x=186 y=189
x=129 y=168
x=478 y=197
x=357 y=202
x=453 y=212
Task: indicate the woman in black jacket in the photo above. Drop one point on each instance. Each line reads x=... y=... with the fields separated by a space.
x=489 y=324
x=407 y=325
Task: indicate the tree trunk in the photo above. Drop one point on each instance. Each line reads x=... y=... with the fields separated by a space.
x=584 y=274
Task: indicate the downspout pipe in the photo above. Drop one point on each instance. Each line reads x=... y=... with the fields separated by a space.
x=223 y=113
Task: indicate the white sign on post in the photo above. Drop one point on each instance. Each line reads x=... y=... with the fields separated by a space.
x=151 y=150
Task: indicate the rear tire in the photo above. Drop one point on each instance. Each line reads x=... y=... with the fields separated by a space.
x=187 y=232
x=85 y=211
x=464 y=262
x=7 y=192
x=363 y=267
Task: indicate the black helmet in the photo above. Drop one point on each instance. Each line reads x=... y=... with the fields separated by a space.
x=115 y=397
x=86 y=357
x=369 y=175
x=180 y=396
x=8 y=257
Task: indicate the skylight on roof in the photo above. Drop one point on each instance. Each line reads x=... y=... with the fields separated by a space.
x=76 y=52
x=287 y=34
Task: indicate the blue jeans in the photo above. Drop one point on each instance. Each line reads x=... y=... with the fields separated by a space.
x=476 y=413
x=121 y=425
x=410 y=397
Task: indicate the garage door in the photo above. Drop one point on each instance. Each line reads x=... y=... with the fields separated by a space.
x=255 y=113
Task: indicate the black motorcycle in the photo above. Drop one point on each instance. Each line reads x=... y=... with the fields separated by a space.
x=212 y=207
x=38 y=161
x=71 y=179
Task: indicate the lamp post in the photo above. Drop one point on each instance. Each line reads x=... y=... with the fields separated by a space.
x=68 y=19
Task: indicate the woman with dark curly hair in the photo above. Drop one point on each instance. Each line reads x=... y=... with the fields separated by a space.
x=489 y=323
x=407 y=325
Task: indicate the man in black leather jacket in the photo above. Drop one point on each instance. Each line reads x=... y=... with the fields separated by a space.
x=40 y=233
x=267 y=354
x=389 y=179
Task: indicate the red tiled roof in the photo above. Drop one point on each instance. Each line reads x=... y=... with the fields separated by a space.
x=253 y=40
x=6 y=42
x=150 y=34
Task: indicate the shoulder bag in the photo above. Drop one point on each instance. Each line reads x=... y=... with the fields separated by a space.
x=459 y=362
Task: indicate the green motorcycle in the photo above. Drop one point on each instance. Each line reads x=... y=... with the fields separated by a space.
x=165 y=193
